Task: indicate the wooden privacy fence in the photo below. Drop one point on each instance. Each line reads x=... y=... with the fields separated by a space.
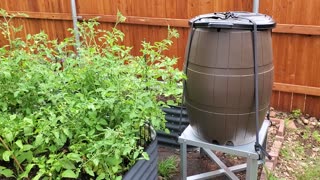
x=296 y=39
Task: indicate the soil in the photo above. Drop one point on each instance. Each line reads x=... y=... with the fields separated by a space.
x=198 y=163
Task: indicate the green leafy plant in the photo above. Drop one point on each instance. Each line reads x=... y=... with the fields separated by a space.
x=168 y=167
x=269 y=174
x=70 y=115
x=285 y=152
x=296 y=113
x=310 y=172
x=316 y=136
x=7 y=30
x=306 y=133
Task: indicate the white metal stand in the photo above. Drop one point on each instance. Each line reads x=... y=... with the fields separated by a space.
x=247 y=151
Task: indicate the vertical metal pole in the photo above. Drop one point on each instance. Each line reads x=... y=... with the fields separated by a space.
x=75 y=27
x=256 y=6
x=183 y=160
x=252 y=169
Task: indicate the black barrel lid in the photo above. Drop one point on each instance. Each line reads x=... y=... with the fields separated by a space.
x=233 y=20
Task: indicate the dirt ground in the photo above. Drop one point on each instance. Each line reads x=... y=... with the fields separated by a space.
x=198 y=163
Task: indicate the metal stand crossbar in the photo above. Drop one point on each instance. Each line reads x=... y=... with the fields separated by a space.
x=247 y=151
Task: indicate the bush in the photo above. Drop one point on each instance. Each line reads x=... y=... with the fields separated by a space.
x=69 y=115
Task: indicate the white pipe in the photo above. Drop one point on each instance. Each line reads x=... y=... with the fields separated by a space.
x=75 y=26
x=256 y=6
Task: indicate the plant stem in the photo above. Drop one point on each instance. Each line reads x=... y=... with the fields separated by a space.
x=13 y=156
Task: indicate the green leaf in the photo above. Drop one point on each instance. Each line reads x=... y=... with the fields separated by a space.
x=115 y=169
x=113 y=161
x=6 y=155
x=7 y=74
x=95 y=161
x=28 y=131
x=39 y=140
x=118 y=178
x=67 y=132
x=15 y=94
x=4 y=106
x=101 y=176
x=126 y=151
x=13 y=117
x=145 y=156
x=69 y=174
x=26 y=171
x=29 y=36
x=135 y=155
x=19 y=144
x=67 y=164
x=28 y=120
x=6 y=172
x=38 y=176
x=89 y=170
x=56 y=134
x=74 y=157
x=27 y=147
x=25 y=156
x=99 y=127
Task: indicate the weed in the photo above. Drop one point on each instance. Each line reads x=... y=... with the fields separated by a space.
x=310 y=173
x=286 y=121
x=269 y=175
x=316 y=136
x=285 y=152
x=306 y=134
x=167 y=167
x=299 y=149
x=295 y=113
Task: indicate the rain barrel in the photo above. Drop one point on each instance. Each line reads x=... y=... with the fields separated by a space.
x=219 y=90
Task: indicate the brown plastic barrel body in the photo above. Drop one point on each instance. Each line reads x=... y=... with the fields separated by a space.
x=220 y=86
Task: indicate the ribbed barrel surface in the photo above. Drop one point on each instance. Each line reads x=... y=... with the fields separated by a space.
x=220 y=85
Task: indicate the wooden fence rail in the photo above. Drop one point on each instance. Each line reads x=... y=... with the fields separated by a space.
x=296 y=39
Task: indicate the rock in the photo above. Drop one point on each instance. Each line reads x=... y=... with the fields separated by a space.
x=313 y=124
x=318 y=124
x=291 y=125
x=305 y=121
x=272 y=114
x=313 y=119
x=300 y=122
x=271 y=109
x=307 y=116
x=315 y=149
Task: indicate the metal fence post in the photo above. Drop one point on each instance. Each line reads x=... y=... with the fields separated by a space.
x=75 y=26
x=256 y=6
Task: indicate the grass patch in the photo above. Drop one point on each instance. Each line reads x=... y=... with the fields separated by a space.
x=316 y=136
x=310 y=172
x=168 y=167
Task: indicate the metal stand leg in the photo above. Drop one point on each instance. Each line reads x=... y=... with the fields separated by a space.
x=252 y=169
x=213 y=157
x=183 y=161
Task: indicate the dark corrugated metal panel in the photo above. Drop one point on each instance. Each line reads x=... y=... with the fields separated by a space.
x=176 y=125
x=143 y=169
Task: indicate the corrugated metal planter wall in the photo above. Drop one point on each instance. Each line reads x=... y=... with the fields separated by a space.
x=143 y=169
x=176 y=123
